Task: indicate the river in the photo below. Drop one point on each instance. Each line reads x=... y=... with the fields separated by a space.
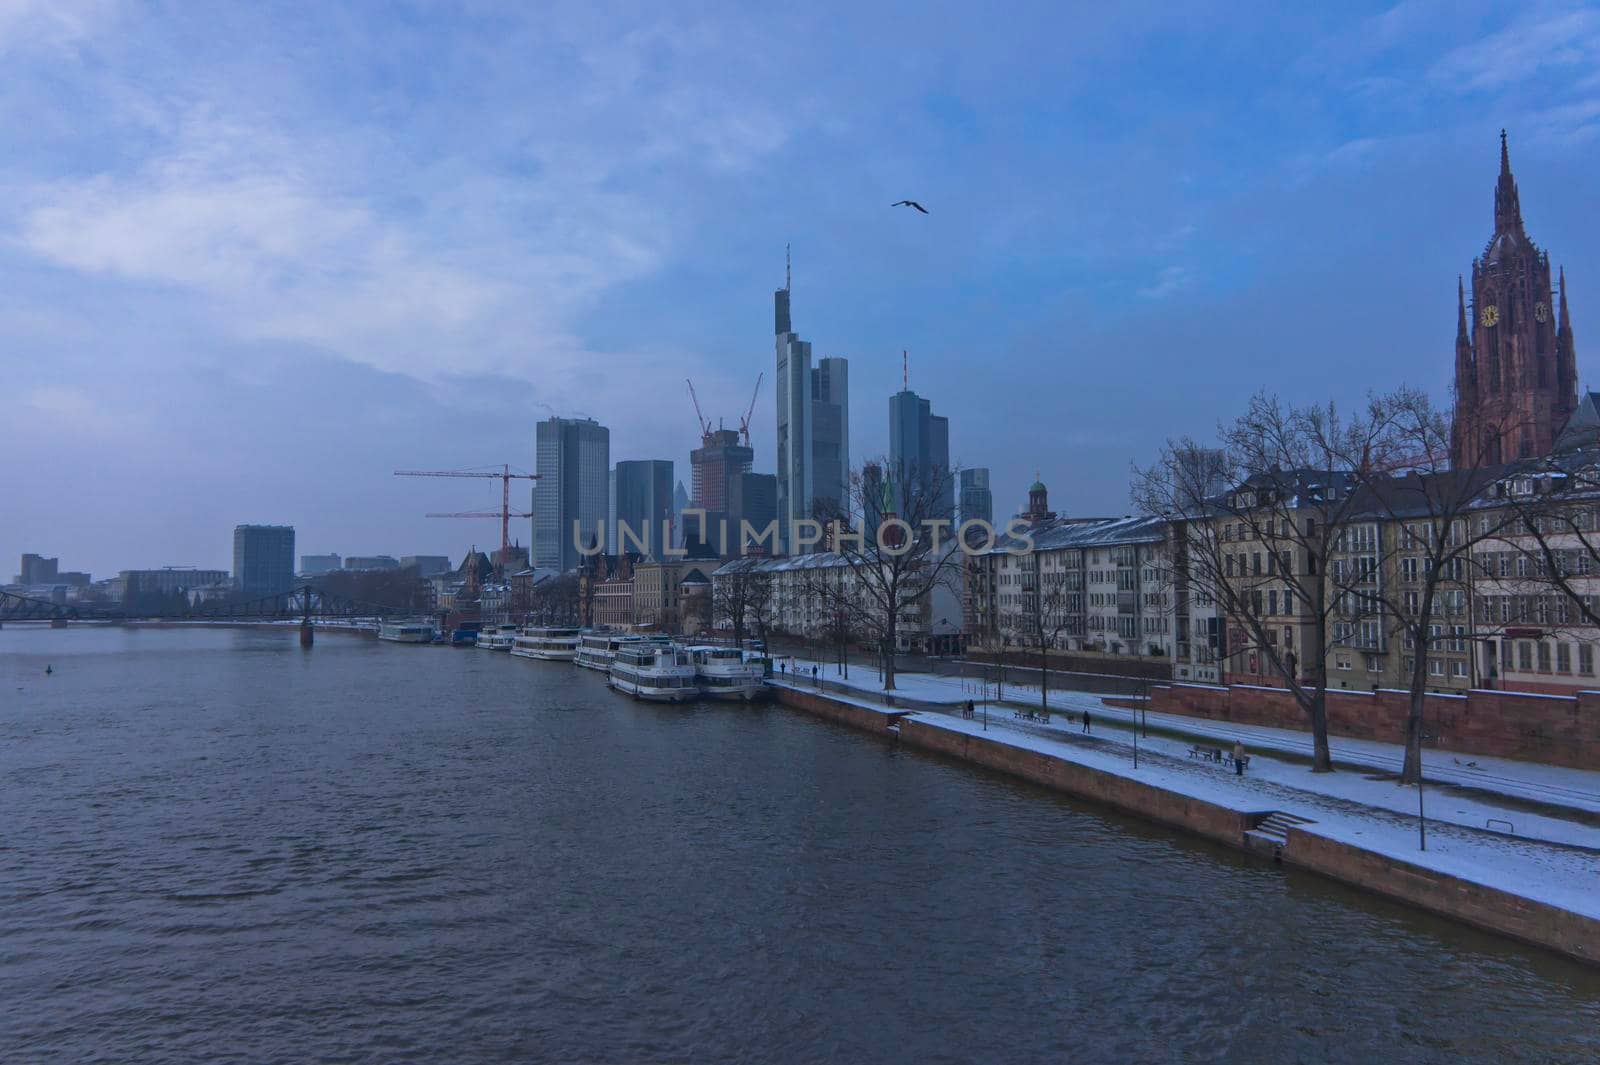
x=218 y=847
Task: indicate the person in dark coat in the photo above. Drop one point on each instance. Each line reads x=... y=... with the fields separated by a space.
x=1086 y=721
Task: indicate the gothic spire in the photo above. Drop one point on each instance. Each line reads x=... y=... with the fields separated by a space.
x=1507 y=209
x=1461 y=310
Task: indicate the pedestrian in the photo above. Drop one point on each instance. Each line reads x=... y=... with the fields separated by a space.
x=969 y=711
x=1238 y=758
x=1086 y=721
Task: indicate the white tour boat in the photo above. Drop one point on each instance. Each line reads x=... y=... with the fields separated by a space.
x=646 y=669
x=407 y=631
x=552 y=645
x=597 y=649
x=499 y=639
x=723 y=673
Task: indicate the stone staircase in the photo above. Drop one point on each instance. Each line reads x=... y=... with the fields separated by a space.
x=1271 y=834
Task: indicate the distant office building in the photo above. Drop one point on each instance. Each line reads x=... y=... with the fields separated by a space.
x=977 y=502
x=813 y=426
x=36 y=569
x=680 y=503
x=426 y=565
x=135 y=584
x=830 y=435
x=570 y=499
x=366 y=562
x=643 y=505
x=73 y=578
x=313 y=565
x=753 y=501
x=715 y=465
x=919 y=456
x=263 y=559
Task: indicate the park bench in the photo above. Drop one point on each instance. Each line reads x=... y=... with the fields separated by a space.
x=1209 y=754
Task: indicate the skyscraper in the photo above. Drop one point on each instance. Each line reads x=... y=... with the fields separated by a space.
x=1516 y=370
x=830 y=435
x=813 y=424
x=570 y=497
x=794 y=419
x=263 y=559
x=977 y=502
x=644 y=506
x=919 y=457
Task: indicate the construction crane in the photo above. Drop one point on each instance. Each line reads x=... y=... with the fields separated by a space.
x=505 y=514
x=705 y=426
x=744 y=423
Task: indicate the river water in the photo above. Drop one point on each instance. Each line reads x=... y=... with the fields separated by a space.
x=217 y=847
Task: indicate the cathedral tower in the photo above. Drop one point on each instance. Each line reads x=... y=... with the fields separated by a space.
x=1516 y=373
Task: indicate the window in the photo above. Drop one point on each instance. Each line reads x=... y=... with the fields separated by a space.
x=1586 y=659
x=1544 y=656
x=1563 y=658
x=1458 y=668
x=1374 y=664
x=1525 y=656
x=1435 y=667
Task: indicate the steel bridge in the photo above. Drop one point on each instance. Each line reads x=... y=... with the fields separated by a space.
x=306 y=604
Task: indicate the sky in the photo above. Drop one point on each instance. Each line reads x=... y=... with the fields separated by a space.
x=255 y=257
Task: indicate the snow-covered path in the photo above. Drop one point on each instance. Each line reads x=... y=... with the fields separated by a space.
x=1578 y=789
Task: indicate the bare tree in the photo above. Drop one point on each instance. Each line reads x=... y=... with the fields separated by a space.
x=741 y=592
x=883 y=570
x=1262 y=514
x=1408 y=550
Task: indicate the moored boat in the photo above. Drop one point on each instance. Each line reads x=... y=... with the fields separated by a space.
x=660 y=672
x=498 y=639
x=550 y=644
x=724 y=673
x=407 y=631
x=597 y=649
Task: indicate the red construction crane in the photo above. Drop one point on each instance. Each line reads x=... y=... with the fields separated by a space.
x=744 y=423
x=505 y=514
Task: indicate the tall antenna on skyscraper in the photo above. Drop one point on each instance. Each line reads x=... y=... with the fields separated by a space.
x=786 y=268
x=905 y=371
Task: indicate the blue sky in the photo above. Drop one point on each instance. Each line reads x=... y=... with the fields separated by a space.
x=255 y=257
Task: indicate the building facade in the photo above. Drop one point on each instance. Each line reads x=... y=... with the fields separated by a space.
x=813 y=426
x=1516 y=371
x=919 y=455
x=977 y=501
x=643 y=508
x=313 y=565
x=36 y=569
x=263 y=559
x=570 y=504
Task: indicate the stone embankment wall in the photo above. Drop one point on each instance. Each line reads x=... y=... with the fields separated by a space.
x=1553 y=729
x=1488 y=908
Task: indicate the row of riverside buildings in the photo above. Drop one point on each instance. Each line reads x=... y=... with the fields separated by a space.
x=1223 y=593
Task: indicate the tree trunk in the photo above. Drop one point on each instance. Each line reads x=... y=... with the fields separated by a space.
x=1321 y=758
x=1044 y=681
x=1411 y=771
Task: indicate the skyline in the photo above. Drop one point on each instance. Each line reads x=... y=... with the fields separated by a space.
x=199 y=260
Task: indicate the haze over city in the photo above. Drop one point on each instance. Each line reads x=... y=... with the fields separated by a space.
x=258 y=258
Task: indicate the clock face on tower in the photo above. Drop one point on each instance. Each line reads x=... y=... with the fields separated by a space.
x=1489 y=316
x=1541 y=312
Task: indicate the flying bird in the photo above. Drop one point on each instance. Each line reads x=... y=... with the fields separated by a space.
x=910 y=203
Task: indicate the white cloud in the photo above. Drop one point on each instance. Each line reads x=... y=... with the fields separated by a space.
x=1525 y=48
x=1171 y=280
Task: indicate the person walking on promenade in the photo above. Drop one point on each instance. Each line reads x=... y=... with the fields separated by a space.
x=1086 y=721
x=1238 y=758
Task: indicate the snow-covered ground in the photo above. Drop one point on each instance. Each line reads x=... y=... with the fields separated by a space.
x=1471 y=836
x=1578 y=789
x=1556 y=875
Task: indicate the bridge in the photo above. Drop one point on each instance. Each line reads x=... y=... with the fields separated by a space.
x=306 y=604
